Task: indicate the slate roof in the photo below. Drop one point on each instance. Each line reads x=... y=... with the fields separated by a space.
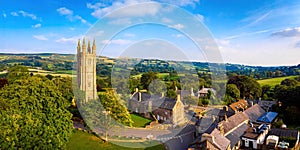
x=254 y=112
x=204 y=145
x=157 y=101
x=284 y=132
x=228 y=113
x=233 y=121
x=235 y=136
x=206 y=125
x=221 y=141
x=168 y=103
x=267 y=117
x=266 y=105
x=145 y=96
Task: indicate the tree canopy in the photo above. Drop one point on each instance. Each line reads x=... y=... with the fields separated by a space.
x=33 y=115
x=249 y=87
x=147 y=78
x=17 y=72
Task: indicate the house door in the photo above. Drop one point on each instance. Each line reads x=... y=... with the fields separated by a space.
x=243 y=143
x=251 y=144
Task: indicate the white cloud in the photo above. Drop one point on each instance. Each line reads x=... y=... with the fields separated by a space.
x=120 y=21
x=177 y=35
x=181 y=2
x=297 y=45
x=256 y=19
x=72 y=40
x=4 y=15
x=288 y=32
x=246 y=34
x=70 y=15
x=147 y=9
x=64 y=11
x=223 y=42
x=129 y=35
x=117 y=42
x=95 y=6
x=15 y=14
x=24 y=14
x=266 y=52
x=177 y=26
x=166 y=20
x=36 y=25
x=40 y=37
x=200 y=17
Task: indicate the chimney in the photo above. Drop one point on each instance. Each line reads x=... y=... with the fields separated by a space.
x=162 y=94
x=251 y=103
x=221 y=128
x=136 y=90
x=226 y=108
x=192 y=91
x=208 y=137
x=178 y=97
x=140 y=96
x=226 y=118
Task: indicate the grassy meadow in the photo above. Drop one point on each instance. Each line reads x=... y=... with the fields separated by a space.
x=273 y=81
x=139 y=121
x=81 y=141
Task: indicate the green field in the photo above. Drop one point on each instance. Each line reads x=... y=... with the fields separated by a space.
x=139 y=121
x=273 y=81
x=81 y=141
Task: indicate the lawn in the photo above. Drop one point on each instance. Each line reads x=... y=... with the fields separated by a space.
x=81 y=141
x=273 y=81
x=139 y=121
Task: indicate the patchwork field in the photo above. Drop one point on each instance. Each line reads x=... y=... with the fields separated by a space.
x=273 y=81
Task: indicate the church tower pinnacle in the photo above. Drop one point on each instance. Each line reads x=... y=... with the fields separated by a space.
x=86 y=70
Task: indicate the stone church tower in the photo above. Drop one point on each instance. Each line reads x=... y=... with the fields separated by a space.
x=86 y=69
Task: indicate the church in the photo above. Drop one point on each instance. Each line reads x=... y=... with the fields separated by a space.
x=86 y=69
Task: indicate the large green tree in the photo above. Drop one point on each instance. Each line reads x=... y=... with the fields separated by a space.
x=232 y=94
x=64 y=85
x=17 y=72
x=113 y=103
x=33 y=115
x=147 y=78
x=249 y=87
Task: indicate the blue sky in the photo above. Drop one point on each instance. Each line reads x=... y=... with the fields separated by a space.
x=254 y=32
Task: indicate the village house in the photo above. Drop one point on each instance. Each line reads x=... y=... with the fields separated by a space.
x=254 y=112
x=233 y=128
x=283 y=138
x=238 y=129
x=255 y=135
x=163 y=109
x=213 y=141
x=266 y=105
x=239 y=106
x=203 y=92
